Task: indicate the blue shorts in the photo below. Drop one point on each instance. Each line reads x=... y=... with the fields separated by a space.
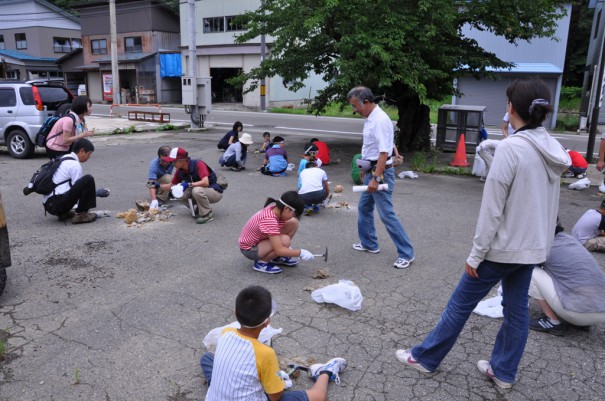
x=297 y=395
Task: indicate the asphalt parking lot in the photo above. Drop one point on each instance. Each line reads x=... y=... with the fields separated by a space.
x=108 y=312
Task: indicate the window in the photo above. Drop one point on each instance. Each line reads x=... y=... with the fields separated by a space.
x=231 y=25
x=133 y=44
x=2 y=42
x=61 y=45
x=98 y=46
x=8 y=98
x=214 y=24
x=76 y=43
x=21 y=41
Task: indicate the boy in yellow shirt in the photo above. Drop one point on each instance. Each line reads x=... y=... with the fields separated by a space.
x=243 y=368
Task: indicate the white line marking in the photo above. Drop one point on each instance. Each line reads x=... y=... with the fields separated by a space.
x=320 y=130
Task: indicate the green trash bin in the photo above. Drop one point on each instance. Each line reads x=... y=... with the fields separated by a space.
x=355 y=173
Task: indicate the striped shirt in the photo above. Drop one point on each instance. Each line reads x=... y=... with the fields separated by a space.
x=244 y=369
x=260 y=227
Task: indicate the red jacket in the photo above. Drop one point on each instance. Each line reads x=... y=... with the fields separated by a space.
x=323 y=152
x=577 y=160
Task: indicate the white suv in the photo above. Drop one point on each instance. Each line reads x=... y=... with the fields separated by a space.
x=23 y=108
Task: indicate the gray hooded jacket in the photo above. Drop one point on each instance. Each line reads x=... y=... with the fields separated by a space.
x=520 y=200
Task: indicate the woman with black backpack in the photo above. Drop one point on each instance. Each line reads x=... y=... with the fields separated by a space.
x=69 y=129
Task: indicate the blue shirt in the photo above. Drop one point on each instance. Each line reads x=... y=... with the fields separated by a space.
x=156 y=170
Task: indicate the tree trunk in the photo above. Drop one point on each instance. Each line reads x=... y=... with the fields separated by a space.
x=414 y=123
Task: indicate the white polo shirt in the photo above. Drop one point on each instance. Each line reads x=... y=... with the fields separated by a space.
x=378 y=135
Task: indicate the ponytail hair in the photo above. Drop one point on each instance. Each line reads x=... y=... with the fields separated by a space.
x=530 y=98
x=290 y=199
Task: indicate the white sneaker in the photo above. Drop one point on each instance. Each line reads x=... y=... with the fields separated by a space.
x=402 y=263
x=334 y=366
x=405 y=356
x=486 y=368
x=359 y=247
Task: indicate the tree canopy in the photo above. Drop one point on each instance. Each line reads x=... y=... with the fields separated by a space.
x=407 y=50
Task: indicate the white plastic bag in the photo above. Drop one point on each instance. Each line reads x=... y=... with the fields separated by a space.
x=344 y=294
x=408 y=174
x=580 y=184
x=478 y=166
x=177 y=191
x=265 y=336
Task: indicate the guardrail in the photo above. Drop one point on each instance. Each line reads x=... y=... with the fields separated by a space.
x=159 y=106
x=151 y=116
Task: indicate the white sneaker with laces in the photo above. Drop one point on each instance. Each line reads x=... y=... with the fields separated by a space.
x=486 y=368
x=402 y=263
x=334 y=366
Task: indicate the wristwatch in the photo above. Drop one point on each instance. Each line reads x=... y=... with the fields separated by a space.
x=378 y=179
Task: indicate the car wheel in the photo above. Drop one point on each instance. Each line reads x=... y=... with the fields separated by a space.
x=18 y=144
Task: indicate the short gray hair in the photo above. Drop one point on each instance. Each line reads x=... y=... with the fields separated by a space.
x=361 y=93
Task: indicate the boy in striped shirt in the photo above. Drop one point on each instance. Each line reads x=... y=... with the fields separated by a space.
x=245 y=369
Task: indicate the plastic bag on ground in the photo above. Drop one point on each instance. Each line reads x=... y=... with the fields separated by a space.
x=265 y=336
x=408 y=174
x=344 y=294
x=580 y=184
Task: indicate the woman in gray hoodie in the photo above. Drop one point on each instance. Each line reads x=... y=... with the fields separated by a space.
x=514 y=233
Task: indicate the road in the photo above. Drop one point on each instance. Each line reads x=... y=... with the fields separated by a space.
x=106 y=312
x=310 y=126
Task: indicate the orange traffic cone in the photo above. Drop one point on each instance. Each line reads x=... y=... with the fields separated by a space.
x=460 y=156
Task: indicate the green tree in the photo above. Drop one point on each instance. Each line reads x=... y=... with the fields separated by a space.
x=406 y=50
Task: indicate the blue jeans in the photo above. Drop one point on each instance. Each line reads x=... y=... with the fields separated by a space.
x=512 y=336
x=231 y=161
x=384 y=204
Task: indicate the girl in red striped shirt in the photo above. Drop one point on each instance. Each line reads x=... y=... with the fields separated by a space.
x=267 y=236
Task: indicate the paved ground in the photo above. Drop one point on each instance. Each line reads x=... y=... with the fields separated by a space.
x=124 y=310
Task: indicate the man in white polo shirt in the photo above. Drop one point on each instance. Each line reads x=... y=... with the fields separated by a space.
x=376 y=154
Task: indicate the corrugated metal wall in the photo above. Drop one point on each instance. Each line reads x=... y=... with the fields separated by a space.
x=492 y=94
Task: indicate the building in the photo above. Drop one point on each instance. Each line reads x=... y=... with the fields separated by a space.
x=148 y=40
x=34 y=34
x=543 y=58
x=220 y=58
x=594 y=64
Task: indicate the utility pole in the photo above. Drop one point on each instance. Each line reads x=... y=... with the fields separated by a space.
x=115 y=74
x=597 y=103
x=262 y=60
x=192 y=61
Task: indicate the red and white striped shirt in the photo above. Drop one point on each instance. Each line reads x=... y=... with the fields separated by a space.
x=260 y=226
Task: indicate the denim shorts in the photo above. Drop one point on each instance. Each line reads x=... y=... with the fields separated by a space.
x=251 y=254
x=297 y=395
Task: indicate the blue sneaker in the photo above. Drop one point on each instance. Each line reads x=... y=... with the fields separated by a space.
x=315 y=208
x=266 y=267
x=285 y=261
x=333 y=366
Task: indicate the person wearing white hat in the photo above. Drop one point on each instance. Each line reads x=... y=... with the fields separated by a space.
x=237 y=153
x=193 y=179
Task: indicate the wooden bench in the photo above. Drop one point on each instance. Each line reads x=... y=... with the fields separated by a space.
x=151 y=116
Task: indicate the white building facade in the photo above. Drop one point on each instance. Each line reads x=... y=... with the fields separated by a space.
x=220 y=58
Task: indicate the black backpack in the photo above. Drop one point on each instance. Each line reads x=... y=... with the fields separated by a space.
x=42 y=180
x=49 y=123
